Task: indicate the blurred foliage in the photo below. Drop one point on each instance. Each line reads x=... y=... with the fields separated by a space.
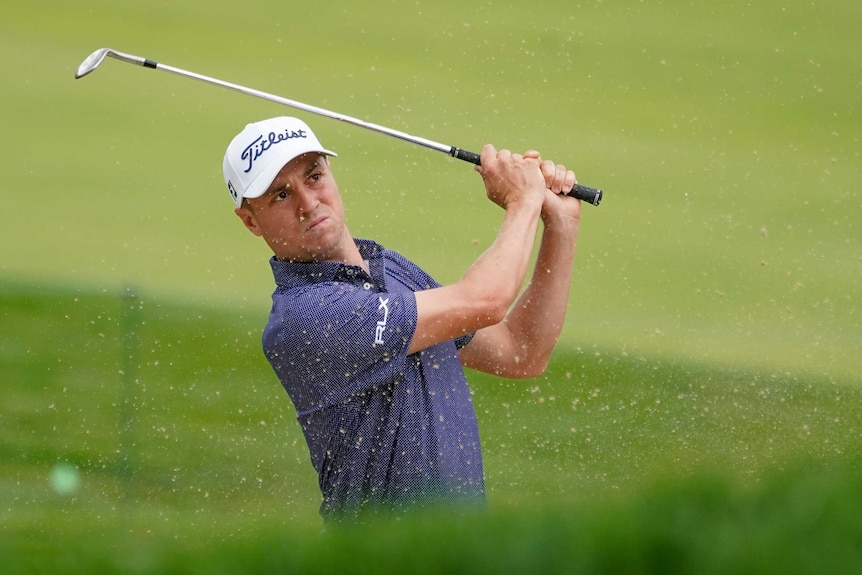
x=190 y=458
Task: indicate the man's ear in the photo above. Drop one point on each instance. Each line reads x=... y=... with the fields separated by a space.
x=248 y=220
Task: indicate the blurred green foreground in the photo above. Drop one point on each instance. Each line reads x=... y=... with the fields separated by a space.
x=170 y=466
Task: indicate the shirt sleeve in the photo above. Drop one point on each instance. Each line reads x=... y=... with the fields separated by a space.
x=332 y=340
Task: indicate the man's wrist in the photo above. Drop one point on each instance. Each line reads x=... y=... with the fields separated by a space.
x=560 y=225
x=530 y=202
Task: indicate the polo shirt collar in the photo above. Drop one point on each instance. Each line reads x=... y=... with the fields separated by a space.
x=294 y=274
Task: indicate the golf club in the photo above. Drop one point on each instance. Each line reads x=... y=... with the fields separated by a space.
x=587 y=194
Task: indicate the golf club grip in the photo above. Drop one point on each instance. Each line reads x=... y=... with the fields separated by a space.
x=584 y=193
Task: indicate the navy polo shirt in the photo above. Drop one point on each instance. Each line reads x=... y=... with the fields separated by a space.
x=384 y=429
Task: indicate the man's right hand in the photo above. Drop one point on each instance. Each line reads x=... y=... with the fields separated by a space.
x=511 y=178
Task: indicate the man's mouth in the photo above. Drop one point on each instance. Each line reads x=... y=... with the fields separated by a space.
x=316 y=222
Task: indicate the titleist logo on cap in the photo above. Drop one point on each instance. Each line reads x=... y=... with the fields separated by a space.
x=256 y=149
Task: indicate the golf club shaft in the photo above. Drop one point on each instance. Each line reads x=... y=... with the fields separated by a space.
x=585 y=193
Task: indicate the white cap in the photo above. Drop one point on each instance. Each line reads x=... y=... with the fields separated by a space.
x=258 y=153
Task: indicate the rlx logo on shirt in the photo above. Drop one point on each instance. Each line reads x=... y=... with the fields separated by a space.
x=381 y=324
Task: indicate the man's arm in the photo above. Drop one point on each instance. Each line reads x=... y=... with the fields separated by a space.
x=484 y=294
x=521 y=345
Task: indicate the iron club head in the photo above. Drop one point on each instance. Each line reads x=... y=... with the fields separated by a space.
x=91 y=62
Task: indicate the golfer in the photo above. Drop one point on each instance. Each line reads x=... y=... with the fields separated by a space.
x=369 y=347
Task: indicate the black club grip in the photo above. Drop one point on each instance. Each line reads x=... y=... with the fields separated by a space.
x=584 y=193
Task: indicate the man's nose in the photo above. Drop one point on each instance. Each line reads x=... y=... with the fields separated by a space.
x=306 y=201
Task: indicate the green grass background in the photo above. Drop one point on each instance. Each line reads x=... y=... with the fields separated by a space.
x=713 y=330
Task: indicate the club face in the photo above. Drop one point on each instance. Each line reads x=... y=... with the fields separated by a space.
x=92 y=62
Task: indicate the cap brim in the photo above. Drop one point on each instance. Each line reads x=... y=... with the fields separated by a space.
x=261 y=183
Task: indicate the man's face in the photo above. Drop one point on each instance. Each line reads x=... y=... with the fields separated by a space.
x=301 y=215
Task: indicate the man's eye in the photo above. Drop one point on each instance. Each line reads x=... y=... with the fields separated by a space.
x=315 y=176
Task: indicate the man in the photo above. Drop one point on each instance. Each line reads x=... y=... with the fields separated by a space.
x=369 y=347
